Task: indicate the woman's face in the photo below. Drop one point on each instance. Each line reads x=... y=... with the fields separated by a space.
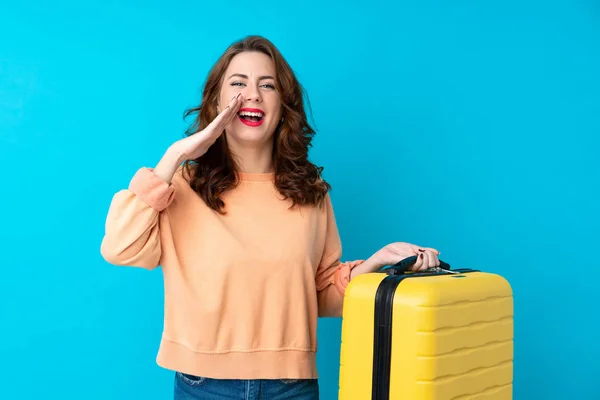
x=253 y=75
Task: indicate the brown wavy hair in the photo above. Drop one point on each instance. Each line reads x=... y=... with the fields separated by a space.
x=296 y=178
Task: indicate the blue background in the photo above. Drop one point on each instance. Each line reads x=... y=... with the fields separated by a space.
x=465 y=125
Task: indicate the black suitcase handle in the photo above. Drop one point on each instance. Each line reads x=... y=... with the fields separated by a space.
x=404 y=265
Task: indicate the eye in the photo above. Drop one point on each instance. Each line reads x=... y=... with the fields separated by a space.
x=269 y=85
x=236 y=83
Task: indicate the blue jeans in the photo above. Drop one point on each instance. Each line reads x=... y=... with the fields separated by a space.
x=190 y=387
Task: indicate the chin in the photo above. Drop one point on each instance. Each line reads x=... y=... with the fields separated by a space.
x=241 y=132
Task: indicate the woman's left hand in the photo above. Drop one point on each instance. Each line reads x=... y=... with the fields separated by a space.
x=391 y=254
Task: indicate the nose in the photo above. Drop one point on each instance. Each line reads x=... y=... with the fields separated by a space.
x=253 y=94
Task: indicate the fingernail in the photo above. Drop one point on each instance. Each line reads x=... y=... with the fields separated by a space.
x=421 y=255
x=421 y=250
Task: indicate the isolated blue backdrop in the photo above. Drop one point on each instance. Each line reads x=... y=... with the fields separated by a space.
x=465 y=125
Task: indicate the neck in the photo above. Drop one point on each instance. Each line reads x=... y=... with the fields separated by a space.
x=253 y=159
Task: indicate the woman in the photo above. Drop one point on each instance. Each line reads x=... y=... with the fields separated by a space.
x=242 y=224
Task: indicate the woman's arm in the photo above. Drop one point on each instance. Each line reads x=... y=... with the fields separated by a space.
x=132 y=236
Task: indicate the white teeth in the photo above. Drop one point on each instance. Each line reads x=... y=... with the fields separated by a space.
x=251 y=114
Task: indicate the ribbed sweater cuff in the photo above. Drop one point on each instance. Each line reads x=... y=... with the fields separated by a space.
x=154 y=191
x=342 y=275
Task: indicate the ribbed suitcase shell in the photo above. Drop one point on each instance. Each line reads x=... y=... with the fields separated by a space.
x=451 y=338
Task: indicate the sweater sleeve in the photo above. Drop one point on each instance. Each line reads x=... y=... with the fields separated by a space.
x=333 y=275
x=132 y=235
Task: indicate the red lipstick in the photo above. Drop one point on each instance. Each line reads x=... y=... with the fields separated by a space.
x=251 y=120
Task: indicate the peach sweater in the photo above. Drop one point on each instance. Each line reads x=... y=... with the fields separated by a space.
x=242 y=290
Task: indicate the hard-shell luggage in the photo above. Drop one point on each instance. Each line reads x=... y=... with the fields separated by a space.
x=440 y=334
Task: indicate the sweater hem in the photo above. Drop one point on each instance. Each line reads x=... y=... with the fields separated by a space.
x=260 y=364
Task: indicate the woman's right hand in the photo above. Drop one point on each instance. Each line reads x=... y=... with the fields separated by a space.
x=196 y=145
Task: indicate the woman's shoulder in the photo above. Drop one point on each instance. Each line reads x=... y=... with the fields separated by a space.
x=183 y=174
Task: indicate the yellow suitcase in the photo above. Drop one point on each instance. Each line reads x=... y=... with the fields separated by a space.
x=441 y=334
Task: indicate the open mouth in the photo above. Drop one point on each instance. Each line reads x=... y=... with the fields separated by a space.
x=251 y=116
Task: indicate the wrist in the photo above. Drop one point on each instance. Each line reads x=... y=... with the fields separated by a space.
x=377 y=260
x=372 y=264
x=168 y=164
x=174 y=154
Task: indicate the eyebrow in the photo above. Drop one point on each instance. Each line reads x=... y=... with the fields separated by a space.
x=246 y=76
